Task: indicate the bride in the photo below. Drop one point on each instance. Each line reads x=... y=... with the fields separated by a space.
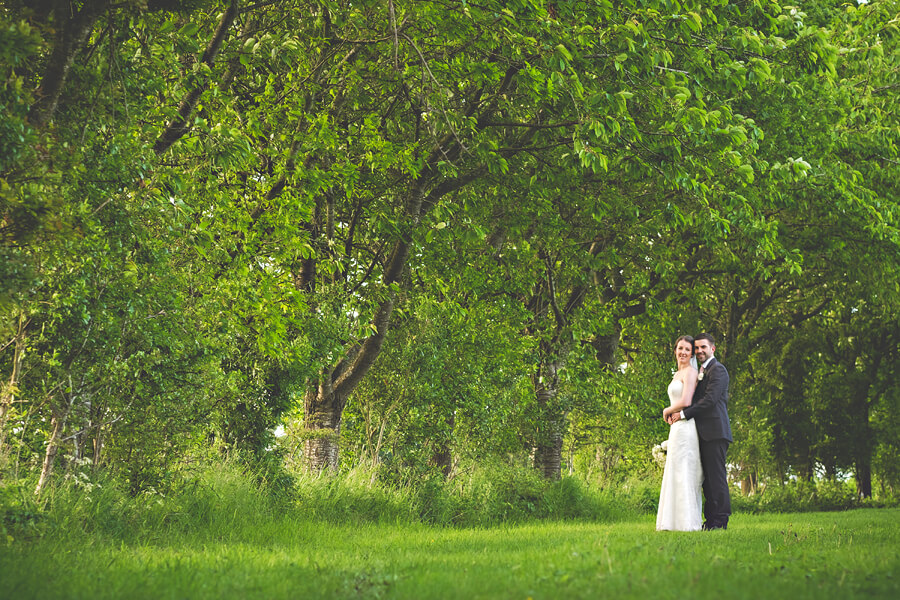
x=679 y=497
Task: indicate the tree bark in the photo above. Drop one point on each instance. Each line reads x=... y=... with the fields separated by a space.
x=549 y=442
x=551 y=416
x=864 y=477
x=322 y=421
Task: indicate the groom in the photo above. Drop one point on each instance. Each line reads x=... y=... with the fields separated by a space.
x=710 y=409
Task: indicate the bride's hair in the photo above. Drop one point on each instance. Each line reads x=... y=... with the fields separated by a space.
x=688 y=339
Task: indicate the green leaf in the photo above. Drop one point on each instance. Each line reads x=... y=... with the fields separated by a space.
x=189 y=30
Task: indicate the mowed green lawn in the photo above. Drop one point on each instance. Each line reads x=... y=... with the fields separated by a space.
x=852 y=554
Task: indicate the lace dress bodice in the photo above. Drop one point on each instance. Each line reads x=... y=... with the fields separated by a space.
x=675 y=389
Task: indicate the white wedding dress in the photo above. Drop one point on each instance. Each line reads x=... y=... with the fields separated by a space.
x=680 y=503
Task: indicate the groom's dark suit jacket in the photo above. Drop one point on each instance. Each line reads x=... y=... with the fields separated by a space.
x=709 y=407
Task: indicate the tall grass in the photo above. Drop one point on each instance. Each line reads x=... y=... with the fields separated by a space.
x=227 y=497
x=222 y=498
x=481 y=496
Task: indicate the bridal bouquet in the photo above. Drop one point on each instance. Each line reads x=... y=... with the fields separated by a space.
x=659 y=453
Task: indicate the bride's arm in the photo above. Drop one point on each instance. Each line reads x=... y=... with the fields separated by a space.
x=687 y=392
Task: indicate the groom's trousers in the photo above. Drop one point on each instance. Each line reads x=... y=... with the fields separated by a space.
x=717 y=508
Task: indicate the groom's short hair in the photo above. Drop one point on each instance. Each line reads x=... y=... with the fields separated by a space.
x=705 y=336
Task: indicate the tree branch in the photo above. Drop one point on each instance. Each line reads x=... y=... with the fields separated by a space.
x=72 y=33
x=179 y=126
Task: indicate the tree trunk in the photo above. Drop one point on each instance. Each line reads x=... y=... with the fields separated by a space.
x=750 y=483
x=864 y=478
x=864 y=447
x=442 y=457
x=549 y=439
x=322 y=423
x=96 y=424
x=57 y=424
x=97 y=448
x=72 y=33
x=321 y=449
x=548 y=452
x=8 y=393
x=863 y=438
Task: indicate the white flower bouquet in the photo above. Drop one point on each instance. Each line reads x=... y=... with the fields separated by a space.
x=659 y=453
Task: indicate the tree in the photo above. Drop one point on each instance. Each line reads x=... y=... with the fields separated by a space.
x=241 y=199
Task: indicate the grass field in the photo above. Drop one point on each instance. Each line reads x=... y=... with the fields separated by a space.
x=853 y=554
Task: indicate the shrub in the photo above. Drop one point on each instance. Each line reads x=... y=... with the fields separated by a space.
x=801 y=496
x=20 y=515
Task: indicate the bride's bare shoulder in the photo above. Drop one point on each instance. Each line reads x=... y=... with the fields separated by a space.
x=686 y=375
